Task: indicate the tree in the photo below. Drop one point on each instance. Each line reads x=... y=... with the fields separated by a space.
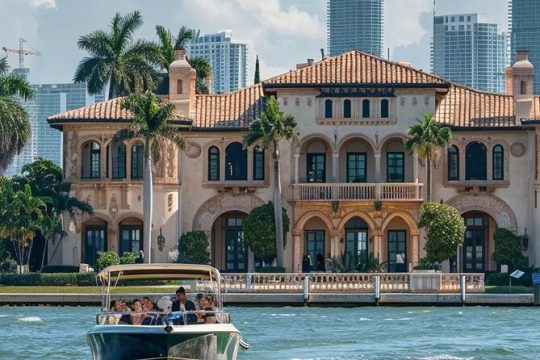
x=116 y=59
x=168 y=43
x=14 y=120
x=426 y=139
x=257 y=78
x=267 y=131
x=445 y=230
x=150 y=122
x=259 y=230
x=508 y=250
x=193 y=248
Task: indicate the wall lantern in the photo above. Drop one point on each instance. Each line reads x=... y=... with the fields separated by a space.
x=161 y=240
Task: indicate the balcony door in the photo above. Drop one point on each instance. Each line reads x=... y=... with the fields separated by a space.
x=316 y=167
x=235 y=250
x=356 y=167
x=474 y=246
x=314 y=247
x=356 y=252
x=397 y=250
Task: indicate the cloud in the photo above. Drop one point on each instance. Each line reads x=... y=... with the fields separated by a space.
x=48 y=4
x=402 y=22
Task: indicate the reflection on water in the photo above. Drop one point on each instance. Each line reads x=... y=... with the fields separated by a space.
x=309 y=333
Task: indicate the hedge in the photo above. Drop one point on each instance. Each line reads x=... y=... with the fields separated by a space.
x=55 y=279
x=60 y=269
x=503 y=279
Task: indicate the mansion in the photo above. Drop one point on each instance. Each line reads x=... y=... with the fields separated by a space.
x=349 y=185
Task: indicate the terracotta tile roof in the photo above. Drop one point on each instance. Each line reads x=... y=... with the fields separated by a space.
x=107 y=110
x=465 y=107
x=355 y=67
x=232 y=110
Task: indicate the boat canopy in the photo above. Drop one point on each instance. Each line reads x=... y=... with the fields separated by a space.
x=159 y=271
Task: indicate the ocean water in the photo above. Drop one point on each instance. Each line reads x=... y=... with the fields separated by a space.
x=439 y=333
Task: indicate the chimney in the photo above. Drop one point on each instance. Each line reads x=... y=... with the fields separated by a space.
x=182 y=82
x=310 y=61
x=323 y=55
x=520 y=83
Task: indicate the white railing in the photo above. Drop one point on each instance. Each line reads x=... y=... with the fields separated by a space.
x=357 y=191
x=350 y=282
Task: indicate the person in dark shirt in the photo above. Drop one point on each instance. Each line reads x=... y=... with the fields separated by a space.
x=183 y=304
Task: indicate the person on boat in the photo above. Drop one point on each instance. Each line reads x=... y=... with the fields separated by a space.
x=118 y=305
x=138 y=316
x=148 y=303
x=204 y=306
x=183 y=304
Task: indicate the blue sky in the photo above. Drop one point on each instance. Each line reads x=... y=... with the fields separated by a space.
x=282 y=32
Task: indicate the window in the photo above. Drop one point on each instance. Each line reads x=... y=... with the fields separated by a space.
x=236 y=251
x=130 y=238
x=395 y=167
x=498 y=162
x=95 y=241
x=356 y=251
x=258 y=163
x=137 y=158
x=475 y=161
x=118 y=159
x=453 y=163
x=316 y=167
x=235 y=162
x=384 y=108
x=91 y=160
x=314 y=247
x=328 y=108
x=213 y=164
x=356 y=168
x=397 y=250
x=347 y=109
x=365 y=108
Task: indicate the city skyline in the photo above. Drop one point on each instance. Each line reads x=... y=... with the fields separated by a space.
x=281 y=32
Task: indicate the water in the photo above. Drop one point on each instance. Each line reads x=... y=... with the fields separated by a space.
x=309 y=333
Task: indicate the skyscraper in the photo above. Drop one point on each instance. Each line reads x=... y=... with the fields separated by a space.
x=228 y=60
x=469 y=52
x=49 y=99
x=355 y=25
x=524 y=30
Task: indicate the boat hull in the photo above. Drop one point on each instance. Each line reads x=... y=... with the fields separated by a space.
x=127 y=342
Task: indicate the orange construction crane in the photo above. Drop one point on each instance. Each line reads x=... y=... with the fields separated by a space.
x=22 y=52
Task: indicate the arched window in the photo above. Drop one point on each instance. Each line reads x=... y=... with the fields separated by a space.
x=235 y=162
x=453 y=163
x=258 y=163
x=498 y=162
x=137 y=161
x=365 y=108
x=116 y=155
x=475 y=161
x=347 y=109
x=384 y=108
x=91 y=160
x=328 y=108
x=213 y=164
x=356 y=239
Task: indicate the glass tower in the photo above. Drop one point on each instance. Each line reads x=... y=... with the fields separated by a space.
x=524 y=25
x=355 y=25
x=469 y=52
x=228 y=60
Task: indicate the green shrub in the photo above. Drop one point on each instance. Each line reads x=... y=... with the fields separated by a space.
x=48 y=279
x=128 y=257
x=60 y=269
x=445 y=230
x=508 y=250
x=260 y=230
x=424 y=264
x=193 y=248
x=8 y=265
x=106 y=259
x=500 y=279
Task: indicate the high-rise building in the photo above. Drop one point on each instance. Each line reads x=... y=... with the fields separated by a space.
x=49 y=99
x=524 y=30
x=355 y=25
x=228 y=60
x=469 y=52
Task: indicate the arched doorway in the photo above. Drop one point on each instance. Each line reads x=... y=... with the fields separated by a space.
x=94 y=240
x=229 y=253
x=317 y=243
x=477 y=245
x=130 y=235
x=356 y=250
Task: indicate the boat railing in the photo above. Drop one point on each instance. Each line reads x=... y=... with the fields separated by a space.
x=164 y=318
x=413 y=282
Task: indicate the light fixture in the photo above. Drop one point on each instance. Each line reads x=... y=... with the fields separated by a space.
x=161 y=240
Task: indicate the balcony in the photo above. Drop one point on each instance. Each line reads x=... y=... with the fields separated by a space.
x=357 y=191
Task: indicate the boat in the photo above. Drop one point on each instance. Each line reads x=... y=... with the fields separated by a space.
x=164 y=334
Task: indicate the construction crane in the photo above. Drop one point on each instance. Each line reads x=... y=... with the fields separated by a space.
x=22 y=52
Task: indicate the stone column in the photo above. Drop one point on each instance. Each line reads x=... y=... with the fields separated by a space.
x=377 y=157
x=296 y=158
x=462 y=159
x=335 y=167
x=297 y=250
x=377 y=245
x=128 y=161
x=415 y=237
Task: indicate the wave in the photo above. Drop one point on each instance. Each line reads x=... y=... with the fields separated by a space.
x=30 y=319
x=446 y=357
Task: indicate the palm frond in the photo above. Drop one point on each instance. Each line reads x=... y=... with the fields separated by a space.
x=97 y=43
x=95 y=71
x=12 y=85
x=4 y=67
x=185 y=35
x=15 y=130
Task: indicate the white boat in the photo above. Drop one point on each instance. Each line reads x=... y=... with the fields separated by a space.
x=164 y=334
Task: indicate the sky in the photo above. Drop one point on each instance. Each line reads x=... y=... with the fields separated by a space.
x=282 y=32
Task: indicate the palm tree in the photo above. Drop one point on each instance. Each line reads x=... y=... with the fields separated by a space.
x=266 y=131
x=168 y=43
x=426 y=139
x=14 y=120
x=150 y=123
x=116 y=59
